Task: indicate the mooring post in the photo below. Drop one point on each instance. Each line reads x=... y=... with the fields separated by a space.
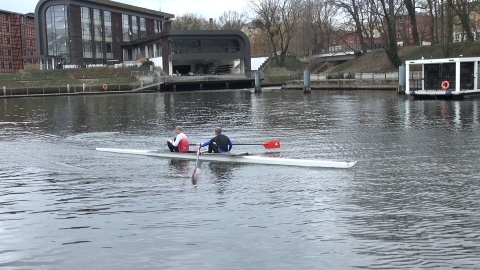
x=258 y=87
x=306 y=81
x=4 y=91
x=402 y=78
x=83 y=86
x=68 y=88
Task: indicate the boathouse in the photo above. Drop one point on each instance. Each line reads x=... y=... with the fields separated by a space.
x=442 y=78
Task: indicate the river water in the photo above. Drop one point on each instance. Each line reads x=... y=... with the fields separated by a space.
x=411 y=202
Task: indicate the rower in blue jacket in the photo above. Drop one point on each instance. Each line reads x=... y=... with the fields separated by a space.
x=218 y=144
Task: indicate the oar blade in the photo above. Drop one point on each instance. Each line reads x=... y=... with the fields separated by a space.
x=272 y=144
x=195 y=171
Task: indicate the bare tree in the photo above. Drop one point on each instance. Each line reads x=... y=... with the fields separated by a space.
x=318 y=22
x=462 y=9
x=232 y=20
x=431 y=10
x=280 y=19
x=190 y=21
x=387 y=14
x=353 y=8
x=411 y=9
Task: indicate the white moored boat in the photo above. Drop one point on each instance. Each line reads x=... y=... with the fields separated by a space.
x=235 y=158
x=442 y=78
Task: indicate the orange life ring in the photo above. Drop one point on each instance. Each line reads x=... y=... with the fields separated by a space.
x=445 y=85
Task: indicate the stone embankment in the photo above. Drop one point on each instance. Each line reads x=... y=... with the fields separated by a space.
x=348 y=81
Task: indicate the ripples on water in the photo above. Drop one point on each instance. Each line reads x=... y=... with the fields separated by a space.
x=411 y=202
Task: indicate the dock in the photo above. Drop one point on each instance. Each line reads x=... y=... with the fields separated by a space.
x=205 y=82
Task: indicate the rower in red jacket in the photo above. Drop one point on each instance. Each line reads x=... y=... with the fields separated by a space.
x=179 y=143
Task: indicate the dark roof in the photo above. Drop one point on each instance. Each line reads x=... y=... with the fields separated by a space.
x=131 y=7
x=11 y=12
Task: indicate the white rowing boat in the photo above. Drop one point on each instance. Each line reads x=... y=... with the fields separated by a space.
x=235 y=158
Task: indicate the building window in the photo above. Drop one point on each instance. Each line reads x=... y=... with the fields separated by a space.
x=98 y=49
x=134 y=27
x=87 y=49
x=158 y=26
x=9 y=52
x=143 y=28
x=107 y=20
x=126 y=28
x=457 y=37
x=97 y=25
x=8 y=40
x=86 y=24
x=57 y=31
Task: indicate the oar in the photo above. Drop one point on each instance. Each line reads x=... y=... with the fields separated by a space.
x=268 y=145
x=196 y=161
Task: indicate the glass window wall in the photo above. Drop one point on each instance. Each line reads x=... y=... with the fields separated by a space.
x=143 y=28
x=97 y=25
x=158 y=26
x=107 y=18
x=195 y=46
x=134 y=27
x=57 y=31
x=87 y=36
x=126 y=28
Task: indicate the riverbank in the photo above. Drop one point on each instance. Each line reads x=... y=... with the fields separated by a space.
x=90 y=77
x=344 y=84
x=375 y=61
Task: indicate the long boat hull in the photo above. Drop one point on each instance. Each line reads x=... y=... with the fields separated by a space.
x=233 y=158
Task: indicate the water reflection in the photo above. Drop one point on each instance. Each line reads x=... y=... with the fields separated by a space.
x=449 y=113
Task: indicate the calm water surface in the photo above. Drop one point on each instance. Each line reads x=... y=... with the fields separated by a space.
x=411 y=202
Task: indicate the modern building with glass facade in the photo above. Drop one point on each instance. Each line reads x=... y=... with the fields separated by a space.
x=89 y=32
x=78 y=33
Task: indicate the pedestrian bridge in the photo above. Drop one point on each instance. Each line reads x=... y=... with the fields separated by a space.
x=329 y=57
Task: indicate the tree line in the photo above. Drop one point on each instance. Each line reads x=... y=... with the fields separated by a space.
x=282 y=27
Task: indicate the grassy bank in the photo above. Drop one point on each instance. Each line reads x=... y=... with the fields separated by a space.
x=279 y=75
x=377 y=60
x=374 y=61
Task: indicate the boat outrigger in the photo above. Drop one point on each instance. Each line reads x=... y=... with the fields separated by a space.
x=235 y=158
x=442 y=78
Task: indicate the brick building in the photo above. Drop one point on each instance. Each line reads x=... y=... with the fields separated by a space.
x=17 y=39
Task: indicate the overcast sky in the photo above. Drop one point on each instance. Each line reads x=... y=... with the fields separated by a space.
x=206 y=8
